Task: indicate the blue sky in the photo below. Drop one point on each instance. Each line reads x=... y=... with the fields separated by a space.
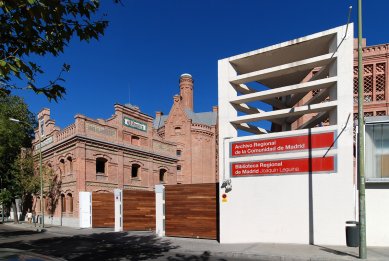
x=149 y=44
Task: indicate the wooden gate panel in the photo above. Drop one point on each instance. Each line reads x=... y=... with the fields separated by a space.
x=192 y=210
x=103 y=210
x=138 y=210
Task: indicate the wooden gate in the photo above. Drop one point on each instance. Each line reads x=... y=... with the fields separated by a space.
x=103 y=210
x=138 y=210
x=192 y=210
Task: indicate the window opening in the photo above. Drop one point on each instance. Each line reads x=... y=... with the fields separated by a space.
x=70 y=203
x=63 y=203
x=162 y=177
x=177 y=130
x=135 y=140
x=100 y=165
x=70 y=162
x=135 y=171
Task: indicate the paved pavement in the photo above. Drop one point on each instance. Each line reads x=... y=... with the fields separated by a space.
x=64 y=243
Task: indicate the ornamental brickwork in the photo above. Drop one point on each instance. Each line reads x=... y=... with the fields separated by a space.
x=99 y=156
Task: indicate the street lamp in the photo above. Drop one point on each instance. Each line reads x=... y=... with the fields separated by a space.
x=40 y=169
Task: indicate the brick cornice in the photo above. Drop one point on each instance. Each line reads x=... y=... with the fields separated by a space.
x=71 y=141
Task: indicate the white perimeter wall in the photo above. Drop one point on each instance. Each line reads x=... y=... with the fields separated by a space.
x=377 y=214
x=290 y=209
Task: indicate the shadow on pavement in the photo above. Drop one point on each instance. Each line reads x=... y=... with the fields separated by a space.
x=336 y=252
x=104 y=246
x=203 y=257
x=17 y=233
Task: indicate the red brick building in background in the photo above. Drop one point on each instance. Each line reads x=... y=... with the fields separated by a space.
x=130 y=151
x=375 y=77
x=194 y=133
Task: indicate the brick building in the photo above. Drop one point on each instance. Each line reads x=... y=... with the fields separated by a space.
x=100 y=155
x=375 y=77
x=130 y=150
x=194 y=133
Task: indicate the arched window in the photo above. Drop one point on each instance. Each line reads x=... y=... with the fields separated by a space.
x=177 y=130
x=38 y=205
x=135 y=169
x=45 y=204
x=135 y=140
x=70 y=163
x=178 y=167
x=162 y=174
x=62 y=166
x=69 y=203
x=63 y=203
x=101 y=166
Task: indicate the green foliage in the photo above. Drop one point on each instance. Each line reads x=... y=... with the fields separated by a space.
x=5 y=197
x=41 y=27
x=13 y=136
x=23 y=181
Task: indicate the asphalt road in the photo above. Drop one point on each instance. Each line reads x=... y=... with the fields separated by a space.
x=25 y=244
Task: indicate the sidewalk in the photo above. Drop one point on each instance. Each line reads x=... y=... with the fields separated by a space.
x=59 y=230
x=267 y=251
x=254 y=251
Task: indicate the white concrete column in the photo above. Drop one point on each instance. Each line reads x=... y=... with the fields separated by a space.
x=160 y=210
x=85 y=210
x=118 y=194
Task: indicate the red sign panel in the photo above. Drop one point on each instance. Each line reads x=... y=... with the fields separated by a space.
x=284 y=144
x=283 y=167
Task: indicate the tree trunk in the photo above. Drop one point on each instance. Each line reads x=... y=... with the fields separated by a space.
x=16 y=218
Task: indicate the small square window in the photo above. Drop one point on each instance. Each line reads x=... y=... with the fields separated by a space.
x=178 y=153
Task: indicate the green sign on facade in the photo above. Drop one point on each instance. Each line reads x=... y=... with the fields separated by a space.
x=134 y=124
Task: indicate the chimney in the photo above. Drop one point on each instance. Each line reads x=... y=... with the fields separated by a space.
x=186 y=91
x=43 y=119
x=158 y=114
x=356 y=43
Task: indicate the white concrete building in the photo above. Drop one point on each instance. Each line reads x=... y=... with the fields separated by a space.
x=377 y=180
x=280 y=184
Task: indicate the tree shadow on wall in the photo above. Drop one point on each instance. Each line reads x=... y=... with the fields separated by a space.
x=103 y=246
x=52 y=188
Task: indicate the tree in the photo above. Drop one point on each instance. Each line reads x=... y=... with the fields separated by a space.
x=41 y=27
x=51 y=187
x=13 y=136
x=22 y=183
